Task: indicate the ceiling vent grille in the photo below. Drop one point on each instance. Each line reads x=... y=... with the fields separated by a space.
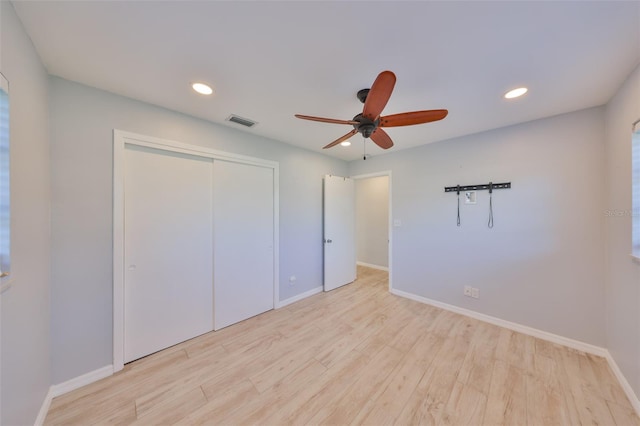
x=241 y=121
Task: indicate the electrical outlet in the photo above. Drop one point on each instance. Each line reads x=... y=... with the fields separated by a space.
x=292 y=280
x=475 y=293
x=467 y=290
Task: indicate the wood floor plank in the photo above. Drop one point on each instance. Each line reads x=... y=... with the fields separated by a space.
x=623 y=414
x=544 y=348
x=466 y=406
x=477 y=368
x=174 y=410
x=117 y=412
x=355 y=355
x=331 y=353
x=603 y=379
x=397 y=391
x=507 y=398
x=244 y=368
x=267 y=404
x=427 y=403
x=304 y=405
x=591 y=408
x=291 y=361
x=252 y=343
x=221 y=403
x=73 y=404
x=545 y=394
x=169 y=383
x=129 y=386
x=570 y=400
x=407 y=336
x=516 y=349
x=347 y=402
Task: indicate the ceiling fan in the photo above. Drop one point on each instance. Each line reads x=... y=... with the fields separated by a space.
x=369 y=123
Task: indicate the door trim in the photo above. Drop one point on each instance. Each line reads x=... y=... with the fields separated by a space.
x=122 y=138
x=378 y=174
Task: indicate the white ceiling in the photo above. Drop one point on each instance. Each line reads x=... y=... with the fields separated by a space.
x=269 y=60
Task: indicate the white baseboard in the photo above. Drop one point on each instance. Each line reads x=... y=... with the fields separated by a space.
x=299 y=297
x=371 y=265
x=78 y=382
x=68 y=386
x=44 y=409
x=628 y=390
x=554 y=338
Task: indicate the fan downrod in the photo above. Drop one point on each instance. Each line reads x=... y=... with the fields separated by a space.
x=362 y=95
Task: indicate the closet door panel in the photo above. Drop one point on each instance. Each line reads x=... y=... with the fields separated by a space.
x=168 y=288
x=243 y=241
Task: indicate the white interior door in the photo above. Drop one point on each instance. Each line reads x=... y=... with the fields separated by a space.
x=244 y=238
x=339 y=232
x=168 y=292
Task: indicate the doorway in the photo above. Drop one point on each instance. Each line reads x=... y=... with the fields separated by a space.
x=372 y=224
x=373 y=221
x=370 y=230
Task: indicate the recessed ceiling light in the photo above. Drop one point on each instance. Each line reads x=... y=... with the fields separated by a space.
x=516 y=92
x=345 y=143
x=202 y=88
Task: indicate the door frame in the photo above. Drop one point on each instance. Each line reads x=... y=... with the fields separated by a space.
x=390 y=237
x=120 y=140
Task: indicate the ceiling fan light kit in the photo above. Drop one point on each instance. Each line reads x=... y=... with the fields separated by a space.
x=369 y=122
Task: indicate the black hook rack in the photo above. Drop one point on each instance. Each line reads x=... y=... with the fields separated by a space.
x=490 y=186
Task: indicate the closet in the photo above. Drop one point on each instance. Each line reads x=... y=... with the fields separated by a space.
x=198 y=252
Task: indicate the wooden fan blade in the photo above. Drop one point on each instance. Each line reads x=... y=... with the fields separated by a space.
x=379 y=95
x=411 y=118
x=326 y=120
x=343 y=138
x=381 y=138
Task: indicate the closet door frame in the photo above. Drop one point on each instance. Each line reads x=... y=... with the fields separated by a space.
x=120 y=140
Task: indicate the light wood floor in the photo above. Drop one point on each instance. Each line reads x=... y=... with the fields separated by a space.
x=356 y=355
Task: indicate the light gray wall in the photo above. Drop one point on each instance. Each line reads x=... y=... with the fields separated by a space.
x=25 y=305
x=82 y=120
x=542 y=263
x=623 y=274
x=372 y=220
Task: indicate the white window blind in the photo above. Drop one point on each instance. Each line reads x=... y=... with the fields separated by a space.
x=635 y=189
x=5 y=210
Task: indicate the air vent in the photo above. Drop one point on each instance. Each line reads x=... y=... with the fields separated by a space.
x=241 y=121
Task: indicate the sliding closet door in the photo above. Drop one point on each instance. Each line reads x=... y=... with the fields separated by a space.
x=243 y=242
x=168 y=294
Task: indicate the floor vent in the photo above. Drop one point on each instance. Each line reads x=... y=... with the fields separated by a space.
x=241 y=121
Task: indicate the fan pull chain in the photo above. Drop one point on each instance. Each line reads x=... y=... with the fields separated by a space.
x=490 y=223
x=364 y=148
x=458 y=205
